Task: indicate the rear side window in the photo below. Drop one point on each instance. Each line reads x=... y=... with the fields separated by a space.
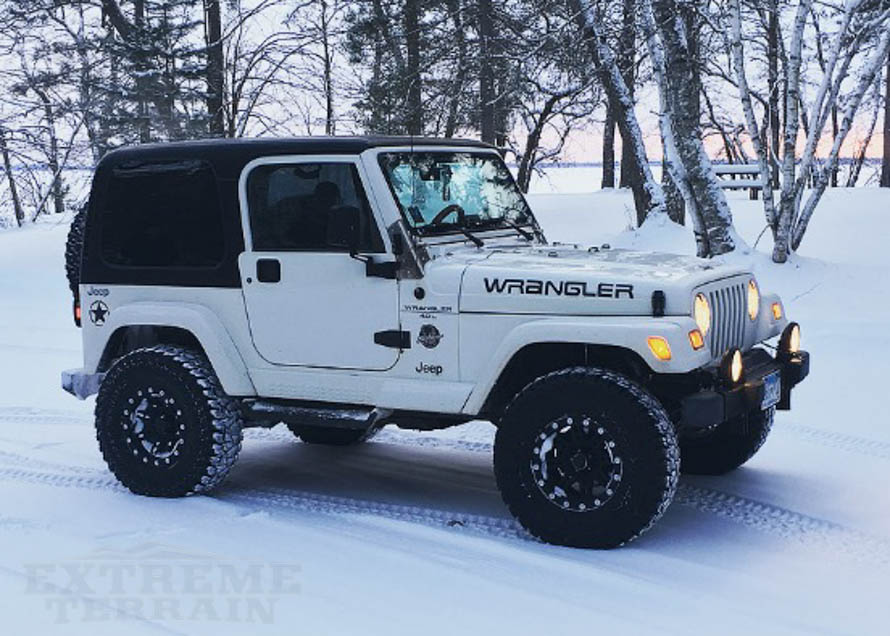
x=302 y=206
x=164 y=214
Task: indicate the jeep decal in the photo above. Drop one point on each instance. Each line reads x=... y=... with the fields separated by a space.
x=532 y=287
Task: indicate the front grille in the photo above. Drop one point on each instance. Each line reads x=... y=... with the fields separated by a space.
x=728 y=314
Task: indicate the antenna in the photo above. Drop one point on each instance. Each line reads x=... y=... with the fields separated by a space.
x=413 y=166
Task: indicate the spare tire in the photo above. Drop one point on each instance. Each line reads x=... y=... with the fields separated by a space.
x=74 y=249
x=73 y=257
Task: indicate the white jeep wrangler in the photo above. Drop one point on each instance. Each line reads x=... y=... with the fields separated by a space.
x=341 y=284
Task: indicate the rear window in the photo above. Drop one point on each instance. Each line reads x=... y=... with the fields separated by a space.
x=164 y=214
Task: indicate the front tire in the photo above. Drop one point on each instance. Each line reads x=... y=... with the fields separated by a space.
x=728 y=446
x=585 y=457
x=164 y=425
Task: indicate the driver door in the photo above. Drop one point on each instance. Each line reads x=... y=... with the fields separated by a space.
x=309 y=303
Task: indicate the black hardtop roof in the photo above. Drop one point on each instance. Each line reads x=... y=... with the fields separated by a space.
x=230 y=155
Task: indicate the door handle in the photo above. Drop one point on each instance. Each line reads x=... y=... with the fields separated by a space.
x=268 y=270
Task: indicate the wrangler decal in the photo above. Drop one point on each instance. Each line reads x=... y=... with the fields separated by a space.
x=533 y=287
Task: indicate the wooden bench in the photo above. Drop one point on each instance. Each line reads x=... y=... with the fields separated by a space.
x=741 y=176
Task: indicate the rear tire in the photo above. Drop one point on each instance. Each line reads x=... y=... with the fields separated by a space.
x=165 y=427
x=331 y=436
x=585 y=457
x=727 y=447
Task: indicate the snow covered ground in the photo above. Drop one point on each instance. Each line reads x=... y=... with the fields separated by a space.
x=408 y=535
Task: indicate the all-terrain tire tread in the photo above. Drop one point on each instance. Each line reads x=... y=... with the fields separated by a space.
x=659 y=417
x=224 y=411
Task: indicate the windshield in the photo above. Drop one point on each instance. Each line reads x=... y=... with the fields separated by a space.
x=450 y=191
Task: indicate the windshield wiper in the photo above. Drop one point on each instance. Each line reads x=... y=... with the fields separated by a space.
x=528 y=236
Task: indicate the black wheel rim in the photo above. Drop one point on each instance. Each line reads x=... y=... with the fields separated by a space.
x=154 y=427
x=576 y=463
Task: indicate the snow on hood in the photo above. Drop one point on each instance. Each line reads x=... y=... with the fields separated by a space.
x=575 y=280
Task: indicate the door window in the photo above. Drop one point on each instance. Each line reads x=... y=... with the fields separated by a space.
x=311 y=207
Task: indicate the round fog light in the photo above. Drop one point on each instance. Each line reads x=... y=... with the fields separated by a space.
x=789 y=342
x=731 y=367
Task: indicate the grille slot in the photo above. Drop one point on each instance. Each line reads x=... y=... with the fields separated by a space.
x=728 y=314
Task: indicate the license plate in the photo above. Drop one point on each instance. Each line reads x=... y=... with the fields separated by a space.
x=772 y=390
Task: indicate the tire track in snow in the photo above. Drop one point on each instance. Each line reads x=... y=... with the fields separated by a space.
x=7 y=457
x=830 y=537
x=840 y=441
x=271 y=499
x=42 y=416
x=809 y=531
x=831 y=439
x=98 y=480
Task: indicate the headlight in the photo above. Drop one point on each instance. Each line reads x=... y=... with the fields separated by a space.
x=702 y=313
x=731 y=367
x=789 y=342
x=753 y=299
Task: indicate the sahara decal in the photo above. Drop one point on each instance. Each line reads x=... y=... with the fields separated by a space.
x=532 y=287
x=429 y=336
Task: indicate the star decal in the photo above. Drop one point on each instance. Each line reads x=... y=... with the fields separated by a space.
x=98 y=312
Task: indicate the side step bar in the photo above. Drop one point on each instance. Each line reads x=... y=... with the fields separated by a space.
x=269 y=413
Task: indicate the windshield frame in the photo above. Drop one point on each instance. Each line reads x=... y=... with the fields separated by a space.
x=453 y=230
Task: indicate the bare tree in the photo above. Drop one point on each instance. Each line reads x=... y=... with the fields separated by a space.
x=789 y=219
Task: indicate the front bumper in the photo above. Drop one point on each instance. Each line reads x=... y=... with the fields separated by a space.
x=81 y=384
x=708 y=408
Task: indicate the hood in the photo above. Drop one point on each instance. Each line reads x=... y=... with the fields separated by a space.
x=572 y=280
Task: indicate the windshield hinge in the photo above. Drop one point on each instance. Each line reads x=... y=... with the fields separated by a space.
x=658 y=303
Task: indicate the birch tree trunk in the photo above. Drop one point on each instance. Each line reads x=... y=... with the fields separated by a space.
x=486 y=73
x=330 y=118
x=648 y=195
x=455 y=10
x=215 y=68
x=682 y=98
x=773 y=81
x=788 y=200
x=13 y=190
x=627 y=43
x=760 y=149
x=52 y=154
x=609 y=150
x=885 y=164
x=414 y=119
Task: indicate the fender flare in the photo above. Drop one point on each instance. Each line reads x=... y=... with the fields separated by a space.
x=624 y=332
x=198 y=320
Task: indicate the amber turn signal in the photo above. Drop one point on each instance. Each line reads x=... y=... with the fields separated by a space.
x=696 y=339
x=777 y=311
x=659 y=347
